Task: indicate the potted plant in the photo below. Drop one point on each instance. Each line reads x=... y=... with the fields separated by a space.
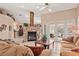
x=25 y=25
x=44 y=38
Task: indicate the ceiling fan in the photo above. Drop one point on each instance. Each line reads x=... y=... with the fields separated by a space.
x=45 y=7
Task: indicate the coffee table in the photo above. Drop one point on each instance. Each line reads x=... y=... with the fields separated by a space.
x=44 y=44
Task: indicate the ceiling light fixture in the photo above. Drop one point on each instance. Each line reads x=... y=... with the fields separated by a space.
x=41 y=8
x=46 y=7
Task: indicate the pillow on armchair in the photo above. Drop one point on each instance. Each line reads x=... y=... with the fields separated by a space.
x=76 y=49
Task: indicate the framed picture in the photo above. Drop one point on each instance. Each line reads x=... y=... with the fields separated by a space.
x=4 y=26
x=10 y=28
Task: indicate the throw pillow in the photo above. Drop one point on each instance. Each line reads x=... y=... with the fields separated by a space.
x=77 y=43
x=76 y=49
x=75 y=38
x=69 y=39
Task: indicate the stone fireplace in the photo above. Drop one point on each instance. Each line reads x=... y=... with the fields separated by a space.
x=33 y=30
x=32 y=36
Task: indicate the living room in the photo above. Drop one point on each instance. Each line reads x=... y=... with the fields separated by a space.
x=39 y=29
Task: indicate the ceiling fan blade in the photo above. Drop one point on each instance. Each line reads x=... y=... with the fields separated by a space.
x=46 y=5
x=42 y=8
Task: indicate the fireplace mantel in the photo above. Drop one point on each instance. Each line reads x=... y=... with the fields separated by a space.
x=33 y=29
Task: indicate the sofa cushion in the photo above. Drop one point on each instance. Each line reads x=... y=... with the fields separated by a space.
x=75 y=38
x=69 y=53
x=68 y=45
x=68 y=39
x=4 y=48
x=46 y=52
x=3 y=43
x=65 y=49
x=10 y=52
x=23 y=51
x=77 y=43
x=76 y=49
x=65 y=42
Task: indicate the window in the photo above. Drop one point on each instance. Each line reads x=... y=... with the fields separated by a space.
x=37 y=20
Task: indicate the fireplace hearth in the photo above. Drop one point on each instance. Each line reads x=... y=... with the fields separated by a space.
x=32 y=36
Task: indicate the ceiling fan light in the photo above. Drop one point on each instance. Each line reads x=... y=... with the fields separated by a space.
x=42 y=8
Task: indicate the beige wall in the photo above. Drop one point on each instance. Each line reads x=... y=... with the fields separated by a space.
x=58 y=17
x=77 y=11
x=4 y=19
x=71 y=15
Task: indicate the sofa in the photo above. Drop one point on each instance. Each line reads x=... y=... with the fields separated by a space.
x=70 y=46
x=8 y=48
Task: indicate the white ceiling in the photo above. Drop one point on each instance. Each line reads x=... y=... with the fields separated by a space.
x=24 y=8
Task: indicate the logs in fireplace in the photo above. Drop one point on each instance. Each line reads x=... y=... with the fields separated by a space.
x=32 y=36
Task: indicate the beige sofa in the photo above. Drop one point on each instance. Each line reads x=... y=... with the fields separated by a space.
x=68 y=44
x=8 y=48
x=14 y=50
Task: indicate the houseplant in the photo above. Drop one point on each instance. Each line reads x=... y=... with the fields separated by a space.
x=44 y=38
x=25 y=24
